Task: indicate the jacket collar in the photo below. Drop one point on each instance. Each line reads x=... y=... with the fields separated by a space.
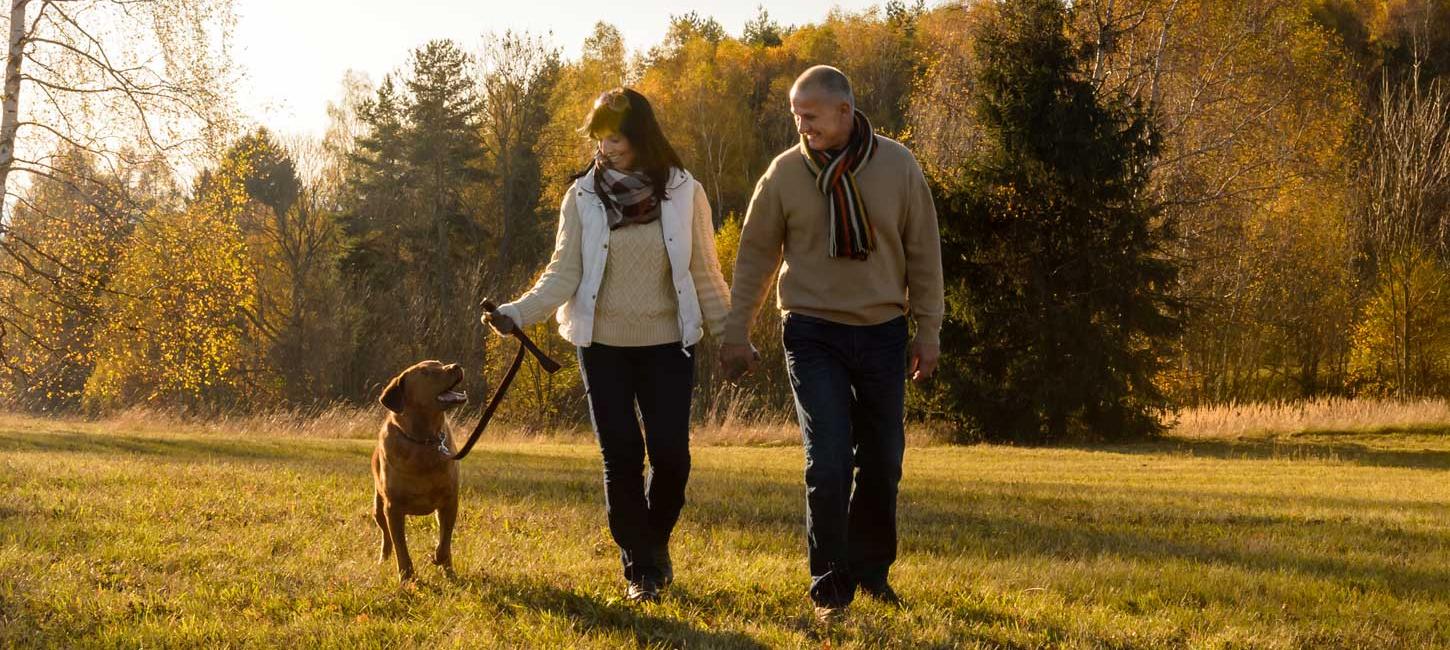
x=678 y=177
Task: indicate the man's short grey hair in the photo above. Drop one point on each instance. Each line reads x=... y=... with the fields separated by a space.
x=825 y=79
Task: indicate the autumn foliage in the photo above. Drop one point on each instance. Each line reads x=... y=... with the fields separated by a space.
x=1296 y=191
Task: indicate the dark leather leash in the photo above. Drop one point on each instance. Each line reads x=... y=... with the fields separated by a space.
x=525 y=347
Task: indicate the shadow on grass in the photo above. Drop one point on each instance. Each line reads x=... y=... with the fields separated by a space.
x=590 y=611
x=1408 y=429
x=1260 y=533
x=1147 y=525
x=1150 y=526
x=1141 y=524
x=1298 y=448
x=181 y=449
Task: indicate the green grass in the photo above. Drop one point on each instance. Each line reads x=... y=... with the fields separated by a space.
x=152 y=538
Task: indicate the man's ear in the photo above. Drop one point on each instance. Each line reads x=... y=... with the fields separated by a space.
x=392 y=397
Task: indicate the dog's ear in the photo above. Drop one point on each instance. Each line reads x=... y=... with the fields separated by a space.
x=392 y=396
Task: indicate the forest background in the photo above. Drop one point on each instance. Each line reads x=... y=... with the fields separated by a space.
x=1146 y=205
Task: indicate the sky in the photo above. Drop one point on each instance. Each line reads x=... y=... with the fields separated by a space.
x=293 y=53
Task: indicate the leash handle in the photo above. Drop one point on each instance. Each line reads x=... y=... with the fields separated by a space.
x=549 y=365
x=525 y=346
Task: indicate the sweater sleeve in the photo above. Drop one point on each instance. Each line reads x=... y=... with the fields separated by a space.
x=921 y=240
x=757 y=258
x=560 y=278
x=705 y=267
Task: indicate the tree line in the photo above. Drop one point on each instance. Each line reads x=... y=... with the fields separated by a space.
x=1145 y=204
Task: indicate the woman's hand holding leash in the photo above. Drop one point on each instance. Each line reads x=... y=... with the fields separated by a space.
x=500 y=323
x=505 y=325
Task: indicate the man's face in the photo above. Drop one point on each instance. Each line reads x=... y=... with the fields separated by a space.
x=825 y=121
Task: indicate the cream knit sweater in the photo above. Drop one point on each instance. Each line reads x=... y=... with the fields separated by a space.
x=636 y=305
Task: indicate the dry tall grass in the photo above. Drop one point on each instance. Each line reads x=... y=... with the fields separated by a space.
x=731 y=425
x=1313 y=416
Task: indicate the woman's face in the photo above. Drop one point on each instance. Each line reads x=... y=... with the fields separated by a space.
x=615 y=147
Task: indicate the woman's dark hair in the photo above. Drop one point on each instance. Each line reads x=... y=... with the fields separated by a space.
x=625 y=111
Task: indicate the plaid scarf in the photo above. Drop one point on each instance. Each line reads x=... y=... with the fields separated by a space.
x=628 y=196
x=851 y=233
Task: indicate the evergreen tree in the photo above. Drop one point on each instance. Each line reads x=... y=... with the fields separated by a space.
x=413 y=235
x=761 y=31
x=445 y=150
x=522 y=71
x=377 y=190
x=1060 y=311
x=421 y=154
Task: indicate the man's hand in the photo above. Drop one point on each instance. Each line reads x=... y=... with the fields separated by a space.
x=923 y=360
x=738 y=359
x=499 y=322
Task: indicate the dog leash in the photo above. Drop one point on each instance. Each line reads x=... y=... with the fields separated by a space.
x=526 y=346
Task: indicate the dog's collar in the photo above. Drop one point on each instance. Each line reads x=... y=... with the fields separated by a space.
x=441 y=442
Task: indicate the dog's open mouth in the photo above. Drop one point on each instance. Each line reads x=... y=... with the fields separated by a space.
x=453 y=396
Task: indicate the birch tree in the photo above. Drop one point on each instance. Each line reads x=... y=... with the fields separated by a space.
x=1403 y=341
x=118 y=79
x=103 y=99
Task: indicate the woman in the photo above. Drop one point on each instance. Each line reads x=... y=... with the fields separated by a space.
x=633 y=276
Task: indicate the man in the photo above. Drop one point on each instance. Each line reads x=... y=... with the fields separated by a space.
x=851 y=213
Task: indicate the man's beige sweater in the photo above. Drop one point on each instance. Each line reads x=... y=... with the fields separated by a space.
x=636 y=305
x=788 y=217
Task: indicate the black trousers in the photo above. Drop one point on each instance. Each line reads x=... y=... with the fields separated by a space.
x=850 y=387
x=626 y=385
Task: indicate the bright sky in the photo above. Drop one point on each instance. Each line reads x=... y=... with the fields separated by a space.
x=294 y=52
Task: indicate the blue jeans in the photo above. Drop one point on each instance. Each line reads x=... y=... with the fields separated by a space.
x=850 y=388
x=642 y=509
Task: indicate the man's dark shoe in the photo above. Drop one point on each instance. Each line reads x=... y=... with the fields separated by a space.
x=828 y=615
x=884 y=594
x=667 y=568
x=643 y=591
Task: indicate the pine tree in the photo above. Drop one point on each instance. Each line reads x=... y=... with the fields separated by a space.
x=446 y=152
x=522 y=71
x=414 y=239
x=1060 y=311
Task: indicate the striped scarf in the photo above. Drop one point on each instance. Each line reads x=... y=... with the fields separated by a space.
x=851 y=233
x=628 y=196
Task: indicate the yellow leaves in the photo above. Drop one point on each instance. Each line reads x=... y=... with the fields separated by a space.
x=182 y=336
x=53 y=300
x=727 y=244
x=1402 y=342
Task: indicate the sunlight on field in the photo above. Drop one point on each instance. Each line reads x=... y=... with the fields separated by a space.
x=146 y=535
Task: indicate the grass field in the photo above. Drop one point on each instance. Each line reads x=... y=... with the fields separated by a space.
x=135 y=535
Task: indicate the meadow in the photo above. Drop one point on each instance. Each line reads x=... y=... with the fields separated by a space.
x=1315 y=530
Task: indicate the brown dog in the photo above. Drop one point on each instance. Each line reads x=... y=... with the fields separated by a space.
x=413 y=469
